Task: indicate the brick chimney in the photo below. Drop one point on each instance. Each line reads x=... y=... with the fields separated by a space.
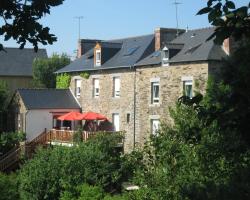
x=84 y=45
x=230 y=45
x=164 y=35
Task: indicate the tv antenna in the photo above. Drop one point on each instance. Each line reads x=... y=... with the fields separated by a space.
x=79 y=25
x=176 y=15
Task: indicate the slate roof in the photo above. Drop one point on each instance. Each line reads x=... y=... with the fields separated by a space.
x=48 y=99
x=16 y=62
x=144 y=45
x=195 y=48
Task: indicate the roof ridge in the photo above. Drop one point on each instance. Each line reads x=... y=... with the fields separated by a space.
x=28 y=48
x=204 y=28
x=139 y=36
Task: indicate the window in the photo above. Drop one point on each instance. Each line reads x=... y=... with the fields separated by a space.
x=116 y=121
x=188 y=88
x=155 y=126
x=78 y=88
x=155 y=89
x=130 y=51
x=165 y=56
x=96 y=87
x=116 y=87
x=128 y=117
x=98 y=58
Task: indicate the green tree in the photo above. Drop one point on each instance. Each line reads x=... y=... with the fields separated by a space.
x=63 y=81
x=57 y=172
x=3 y=95
x=8 y=187
x=229 y=20
x=21 y=21
x=44 y=68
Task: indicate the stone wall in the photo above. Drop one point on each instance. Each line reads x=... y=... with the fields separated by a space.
x=171 y=88
x=106 y=104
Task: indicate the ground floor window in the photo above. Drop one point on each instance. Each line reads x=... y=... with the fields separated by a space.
x=155 y=126
x=116 y=121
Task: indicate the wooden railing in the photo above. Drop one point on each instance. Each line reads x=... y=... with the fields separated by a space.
x=10 y=159
x=45 y=138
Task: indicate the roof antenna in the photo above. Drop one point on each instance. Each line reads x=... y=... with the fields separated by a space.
x=176 y=16
x=79 y=25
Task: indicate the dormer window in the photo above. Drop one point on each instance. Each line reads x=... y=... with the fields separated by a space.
x=98 y=57
x=165 y=56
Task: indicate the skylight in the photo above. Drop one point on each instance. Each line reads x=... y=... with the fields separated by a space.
x=156 y=54
x=130 y=51
x=192 y=49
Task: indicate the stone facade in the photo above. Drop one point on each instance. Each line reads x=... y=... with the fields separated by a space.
x=106 y=103
x=135 y=94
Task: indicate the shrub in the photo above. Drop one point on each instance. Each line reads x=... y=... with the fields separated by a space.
x=8 y=187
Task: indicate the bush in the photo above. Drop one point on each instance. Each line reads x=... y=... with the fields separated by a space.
x=10 y=140
x=8 y=187
x=58 y=171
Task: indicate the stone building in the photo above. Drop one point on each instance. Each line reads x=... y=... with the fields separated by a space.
x=133 y=81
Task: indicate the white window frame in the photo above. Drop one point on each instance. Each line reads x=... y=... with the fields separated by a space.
x=154 y=99
x=187 y=80
x=116 y=121
x=98 y=57
x=116 y=87
x=96 y=87
x=78 y=83
x=155 y=126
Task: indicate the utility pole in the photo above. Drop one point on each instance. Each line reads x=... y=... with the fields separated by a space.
x=79 y=25
x=176 y=16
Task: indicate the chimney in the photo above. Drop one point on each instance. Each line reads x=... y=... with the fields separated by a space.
x=165 y=35
x=84 y=45
x=230 y=45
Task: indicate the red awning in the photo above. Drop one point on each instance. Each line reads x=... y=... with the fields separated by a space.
x=71 y=116
x=93 y=116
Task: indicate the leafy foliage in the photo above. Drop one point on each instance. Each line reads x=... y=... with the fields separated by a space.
x=59 y=171
x=85 y=75
x=10 y=140
x=63 y=81
x=44 y=68
x=8 y=187
x=229 y=20
x=21 y=21
x=3 y=95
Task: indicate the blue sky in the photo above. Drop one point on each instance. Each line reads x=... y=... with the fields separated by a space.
x=110 y=19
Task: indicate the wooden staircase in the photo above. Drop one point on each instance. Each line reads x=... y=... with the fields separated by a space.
x=11 y=159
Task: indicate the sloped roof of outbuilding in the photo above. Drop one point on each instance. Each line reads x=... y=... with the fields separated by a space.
x=48 y=99
x=18 y=62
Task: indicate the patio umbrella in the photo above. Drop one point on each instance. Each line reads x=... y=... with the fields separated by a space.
x=71 y=116
x=93 y=116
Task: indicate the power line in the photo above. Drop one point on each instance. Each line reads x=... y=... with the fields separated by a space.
x=79 y=25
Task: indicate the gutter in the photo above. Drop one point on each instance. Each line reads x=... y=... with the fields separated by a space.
x=134 y=106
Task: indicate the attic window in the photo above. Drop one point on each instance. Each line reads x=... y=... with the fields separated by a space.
x=98 y=57
x=192 y=49
x=130 y=51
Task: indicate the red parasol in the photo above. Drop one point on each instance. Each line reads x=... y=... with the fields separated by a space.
x=93 y=116
x=71 y=116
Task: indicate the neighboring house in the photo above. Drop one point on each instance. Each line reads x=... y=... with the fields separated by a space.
x=133 y=81
x=16 y=67
x=36 y=109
